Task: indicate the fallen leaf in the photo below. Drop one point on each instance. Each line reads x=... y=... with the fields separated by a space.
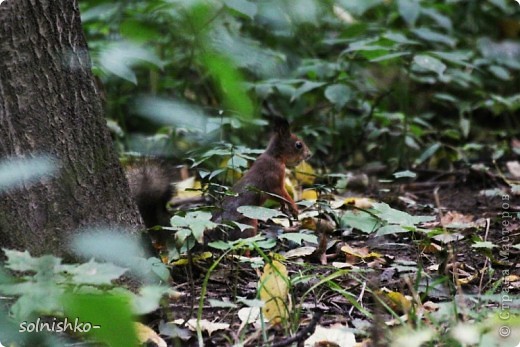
x=395 y=300
x=205 y=325
x=274 y=291
x=146 y=335
x=364 y=203
x=184 y=188
x=335 y=335
x=248 y=315
x=305 y=173
x=309 y=194
x=299 y=252
x=430 y=306
x=514 y=168
x=341 y=265
x=363 y=253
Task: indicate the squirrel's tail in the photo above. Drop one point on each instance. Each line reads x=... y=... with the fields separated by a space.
x=151 y=187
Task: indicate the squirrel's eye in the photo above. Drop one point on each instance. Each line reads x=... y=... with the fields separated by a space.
x=298 y=145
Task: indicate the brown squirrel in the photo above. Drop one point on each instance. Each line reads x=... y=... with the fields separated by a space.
x=151 y=187
x=267 y=174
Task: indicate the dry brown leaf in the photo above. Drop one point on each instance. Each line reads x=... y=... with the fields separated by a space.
x=431 y=248
x=430 y=306
x=456 y=219
x=354 y=255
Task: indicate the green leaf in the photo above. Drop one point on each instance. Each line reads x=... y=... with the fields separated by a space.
x=391 y=229
x=149 y=298
x=484 y=244
x=360 y=220
x=432 y=36
x=359 y=7
x=237 y=161
x=338 y=94
x=108 y=245
x=393 y=216
x=159 y=268
x=137 y=31
x=500 y=72
x=399 y=38
x=119 y=58
x=406 y=173
x=307 y=86
x=36 y=297
x=222 y=245
x=441 y=20
x=259 y=212
x=465 y=126
x=112 y=313
x=409 y=11
x=389 y=56
x=23 y=261
x=456 y=57
x=221 y=304
x=428 y=153
x=174 y=113
x=247 y=8
x=230 y=82
x=96 y=273
x=197 y=222
x=429 y=63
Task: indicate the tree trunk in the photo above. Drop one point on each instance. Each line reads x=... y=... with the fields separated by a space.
x=49 y=104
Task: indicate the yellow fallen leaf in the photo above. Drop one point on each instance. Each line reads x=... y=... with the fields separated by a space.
x=309 y=194
x=274 y=291
x=196 y=258
x=289 y=186
x=183 y=188
x=395 y=300
x=146 y=335
x=305 y=173
x=359 y=202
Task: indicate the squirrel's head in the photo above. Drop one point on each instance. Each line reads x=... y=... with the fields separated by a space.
x=285 y=145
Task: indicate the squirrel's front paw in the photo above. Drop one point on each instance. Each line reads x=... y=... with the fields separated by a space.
x=294 y=211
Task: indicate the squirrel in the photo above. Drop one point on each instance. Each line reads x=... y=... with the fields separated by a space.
x=151 y=188
x=267 y=174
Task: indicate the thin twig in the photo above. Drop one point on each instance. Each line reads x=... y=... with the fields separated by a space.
x=488 y=223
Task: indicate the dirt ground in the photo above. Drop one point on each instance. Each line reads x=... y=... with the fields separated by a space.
x=424 y=269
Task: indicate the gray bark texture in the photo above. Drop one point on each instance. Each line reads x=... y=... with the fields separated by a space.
x=49 y=104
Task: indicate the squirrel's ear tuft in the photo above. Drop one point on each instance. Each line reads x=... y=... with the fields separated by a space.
x=280 y=125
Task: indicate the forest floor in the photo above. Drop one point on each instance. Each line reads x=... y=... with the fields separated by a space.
x=361 y=287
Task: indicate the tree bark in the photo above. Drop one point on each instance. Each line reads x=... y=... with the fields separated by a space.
x=49 y=104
